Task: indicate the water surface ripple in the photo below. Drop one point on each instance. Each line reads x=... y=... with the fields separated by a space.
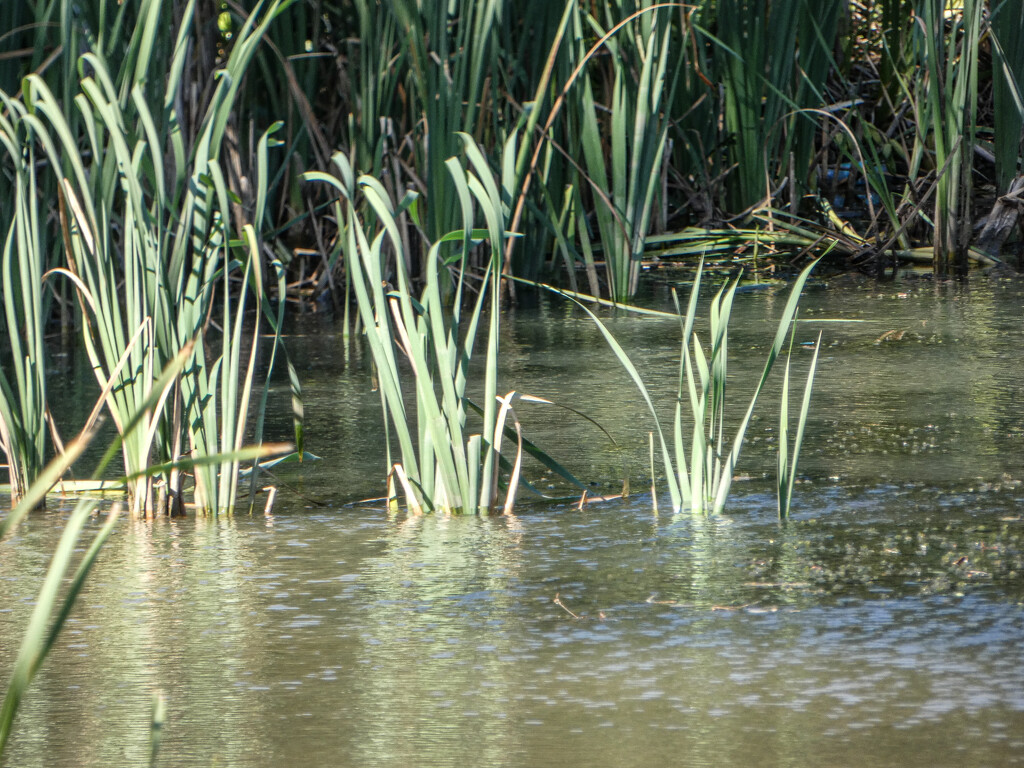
x=881 y=626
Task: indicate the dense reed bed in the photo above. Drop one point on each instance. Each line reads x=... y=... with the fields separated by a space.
x=638 y=118
x=157 y=158
x=124 y=219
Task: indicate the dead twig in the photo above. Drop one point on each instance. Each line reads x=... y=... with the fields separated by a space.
x=558 y=601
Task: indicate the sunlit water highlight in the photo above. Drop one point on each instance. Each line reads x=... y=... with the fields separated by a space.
x=882 y=626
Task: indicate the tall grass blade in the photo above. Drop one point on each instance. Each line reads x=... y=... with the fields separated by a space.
x=788 y=313
x=1008 y=86
x=22 y=263
x=951 y=93
x=787 y=463
x=50 y=611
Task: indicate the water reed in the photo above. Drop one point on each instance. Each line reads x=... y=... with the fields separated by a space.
x=64 y=579
x=439 y=466
x=790 y=456
x=22 y=264
x=148 y=229
x=422 y=343
x=702 y=482
x=950 y=97
x=626 y=184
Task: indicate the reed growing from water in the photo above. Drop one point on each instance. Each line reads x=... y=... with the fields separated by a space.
x=789 y=457
x=22 y=264
x=438 y=466
x=951 y=97
x=149 y=229
x=626 y=184
x=702 y=482
x=422 y=345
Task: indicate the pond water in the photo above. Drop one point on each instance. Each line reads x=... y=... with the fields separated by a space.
x=881 y=626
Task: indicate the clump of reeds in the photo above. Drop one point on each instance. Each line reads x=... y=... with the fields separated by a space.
x=439 y=458
x=702 y=482
x=441 y=465
x=146 y=230
x=64 y=578
x=22 y=263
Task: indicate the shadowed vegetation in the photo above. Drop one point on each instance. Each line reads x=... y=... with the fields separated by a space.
x=892 y=126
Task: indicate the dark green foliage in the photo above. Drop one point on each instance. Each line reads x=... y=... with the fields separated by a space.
x=1008 y=84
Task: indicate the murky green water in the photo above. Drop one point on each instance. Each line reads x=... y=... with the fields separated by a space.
x=882 y=626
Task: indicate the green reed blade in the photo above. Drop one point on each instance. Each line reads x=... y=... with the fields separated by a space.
x=1008 y=83
x=787 y=466
x=788 y=313
x=634 y=375
x=38 y=637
